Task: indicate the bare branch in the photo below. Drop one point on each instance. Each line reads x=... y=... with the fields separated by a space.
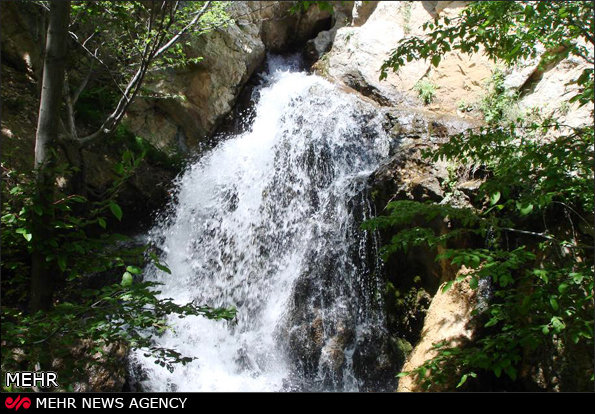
x=127 y=95
x=531 y=233
x=97 y=58
x=88 y=38
x=69 y=107
x=83 y=85
x=174 y=39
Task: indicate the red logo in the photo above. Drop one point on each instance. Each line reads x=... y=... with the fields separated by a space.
x=16 y=404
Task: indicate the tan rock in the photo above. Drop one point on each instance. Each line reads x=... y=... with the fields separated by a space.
x=359 y=52
x=448 y=319
x=553 y=89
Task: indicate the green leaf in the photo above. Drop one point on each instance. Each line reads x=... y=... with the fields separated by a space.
x=577 y=277
x=554 y=303
x=116 y=210
x=102 y=222
x=462 y=381
x=126 y=156
x=491 y=322
x=447 y=286
x=473 y=282
x=158 y=264
x=163 y=268
x=494 y=198
x=127 y=279
x=134 y=270
x=558 y=324
x=119 y=168
x=61 y=263
x=524 y=210
x=25 y=234
x=436 y=60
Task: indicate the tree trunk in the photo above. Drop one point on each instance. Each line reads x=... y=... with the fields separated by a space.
x=47 y=134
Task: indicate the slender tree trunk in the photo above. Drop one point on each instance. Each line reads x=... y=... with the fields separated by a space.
x=46 y=137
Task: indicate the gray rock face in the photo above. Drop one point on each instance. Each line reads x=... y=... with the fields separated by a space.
x=322 y=43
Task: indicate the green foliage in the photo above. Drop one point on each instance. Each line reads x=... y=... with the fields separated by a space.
x=124 y=138
x=464 y=106
x=94 y=103
x=532 y=219
x=99 y=299
x=533 y=215
x=119 y=31
x=115 y=45
x=93 y=274
x=426 y=90
x=499 y=103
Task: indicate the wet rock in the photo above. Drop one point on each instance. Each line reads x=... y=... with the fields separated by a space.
x=407 y=175
x=406 y=311
x=374 y=362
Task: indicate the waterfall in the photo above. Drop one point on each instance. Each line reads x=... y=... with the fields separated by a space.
x=268 y=222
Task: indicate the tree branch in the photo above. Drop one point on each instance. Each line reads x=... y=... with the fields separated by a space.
x=69 y=107
x=83 y=85
x=531 y=233
x=174 y=39
x=151 y=51
x=97 y=58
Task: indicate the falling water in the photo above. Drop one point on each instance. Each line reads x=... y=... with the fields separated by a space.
x=268 y=222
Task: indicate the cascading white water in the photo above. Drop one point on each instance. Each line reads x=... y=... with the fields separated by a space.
x=268 y=222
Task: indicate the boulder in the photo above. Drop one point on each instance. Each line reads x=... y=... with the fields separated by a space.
x=549 y=90
x=358 y=53
x=449 y=319
x=317 y=47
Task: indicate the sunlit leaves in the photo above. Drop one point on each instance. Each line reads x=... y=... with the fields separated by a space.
x=126 y=279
